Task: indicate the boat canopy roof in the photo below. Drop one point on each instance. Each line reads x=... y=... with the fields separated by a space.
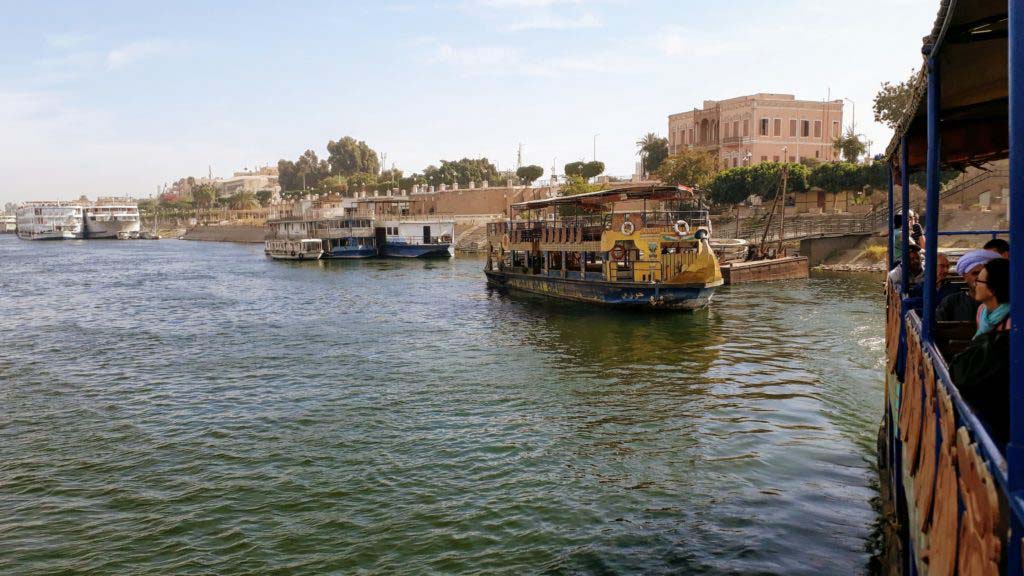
x=969 y=44
x=602 y=197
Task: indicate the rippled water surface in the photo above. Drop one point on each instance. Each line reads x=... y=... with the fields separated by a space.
x=176 y=407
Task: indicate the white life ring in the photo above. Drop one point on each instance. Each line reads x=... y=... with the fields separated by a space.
x=627 y=228
x=684 y=225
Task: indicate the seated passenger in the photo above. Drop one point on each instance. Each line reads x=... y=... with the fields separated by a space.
x=914 y=267
x=992 y=289
x=961 y=306
x=982 y=371
x=942 y=287
x=999 y=246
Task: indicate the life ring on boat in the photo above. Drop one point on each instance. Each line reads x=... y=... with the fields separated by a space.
x=293 y=253
x=302 y=256
x=505 y=242
x=627 y=228
x=685 y=227
x=617 y=252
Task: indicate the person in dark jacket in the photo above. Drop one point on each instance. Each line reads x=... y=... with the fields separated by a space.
x=999 y=246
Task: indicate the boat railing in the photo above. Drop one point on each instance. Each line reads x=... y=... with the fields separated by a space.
x=419 y=240
x=941 y=458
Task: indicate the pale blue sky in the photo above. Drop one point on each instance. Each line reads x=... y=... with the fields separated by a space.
x=119 y=97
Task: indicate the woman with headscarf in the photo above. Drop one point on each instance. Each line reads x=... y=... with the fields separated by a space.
x=992 y=289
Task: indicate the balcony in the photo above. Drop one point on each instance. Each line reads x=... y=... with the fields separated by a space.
x=732 y=141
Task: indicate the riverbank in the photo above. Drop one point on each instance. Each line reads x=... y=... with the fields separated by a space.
x=239 y=234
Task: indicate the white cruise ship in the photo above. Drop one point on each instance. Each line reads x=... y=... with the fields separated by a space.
x=50 y=221
x=8 y=223
x=112 y=218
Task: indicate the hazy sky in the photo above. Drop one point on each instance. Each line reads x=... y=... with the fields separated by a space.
x=105 y=98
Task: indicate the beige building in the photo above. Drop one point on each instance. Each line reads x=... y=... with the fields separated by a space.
x=759 y=128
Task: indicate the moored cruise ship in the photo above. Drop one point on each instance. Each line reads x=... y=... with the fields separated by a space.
x=112 y=218
x=50 y=221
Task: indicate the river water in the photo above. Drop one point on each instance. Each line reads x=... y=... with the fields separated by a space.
x=195 y=408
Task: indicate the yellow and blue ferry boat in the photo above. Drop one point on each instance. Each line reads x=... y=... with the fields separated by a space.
x=628 y=247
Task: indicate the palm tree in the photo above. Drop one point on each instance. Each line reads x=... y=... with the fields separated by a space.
x=647 y=140
x=243 y=201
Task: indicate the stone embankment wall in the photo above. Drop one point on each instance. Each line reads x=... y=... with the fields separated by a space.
x=242 y=234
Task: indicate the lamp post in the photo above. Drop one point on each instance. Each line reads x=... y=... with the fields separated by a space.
x=853 y=115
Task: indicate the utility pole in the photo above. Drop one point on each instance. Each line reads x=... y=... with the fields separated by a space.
x=853 y=115
x=519 y=157
x=595 y=147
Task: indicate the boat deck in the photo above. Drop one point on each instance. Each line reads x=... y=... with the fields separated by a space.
x=788 y=268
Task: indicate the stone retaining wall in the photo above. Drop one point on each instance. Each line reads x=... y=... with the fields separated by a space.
x=243 y=234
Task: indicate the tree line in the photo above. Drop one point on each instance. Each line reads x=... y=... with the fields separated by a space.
x=353 y=165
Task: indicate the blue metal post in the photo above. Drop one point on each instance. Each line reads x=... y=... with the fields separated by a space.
x=892 y=232
x=1015 y=451
x=905 y=192
x=931 y=226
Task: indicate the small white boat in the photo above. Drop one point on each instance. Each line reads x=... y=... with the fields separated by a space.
x=305 y=249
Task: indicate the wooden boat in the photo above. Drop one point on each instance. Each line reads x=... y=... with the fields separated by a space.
x=625 y=247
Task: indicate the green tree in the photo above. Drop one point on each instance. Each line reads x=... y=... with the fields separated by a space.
x=461 y=172
x=204 y=195
x=529 y=174
x=361 y=181
x=305 y=173
x=333 y=185
x=689 y=168
x=592 y=169
x=849 y=145
x=264 y=197
x=349 y=156
x=576 y=185
x=572 y=186
x=287 y=175
x=243 y=200
x=573 y=169
x=653 y=151
x=734 y=185
x=892 y=100
x=837 y=176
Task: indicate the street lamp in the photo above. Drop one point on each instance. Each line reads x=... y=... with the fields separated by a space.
x=853 y=115
x=748 y=158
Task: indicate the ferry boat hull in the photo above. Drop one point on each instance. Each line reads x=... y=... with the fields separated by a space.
x=350 y=253
x=25 y=235
x=417 y=250
x=616 y=294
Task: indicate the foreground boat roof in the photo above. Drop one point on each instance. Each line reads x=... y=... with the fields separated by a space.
x=601 y=197
x=969 y=43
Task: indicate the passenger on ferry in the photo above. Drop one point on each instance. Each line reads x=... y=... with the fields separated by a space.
x=943 y=286
x=914 y=267
x=982 y=370
x=961 y=306
x=999 y=246
x=992 y=289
